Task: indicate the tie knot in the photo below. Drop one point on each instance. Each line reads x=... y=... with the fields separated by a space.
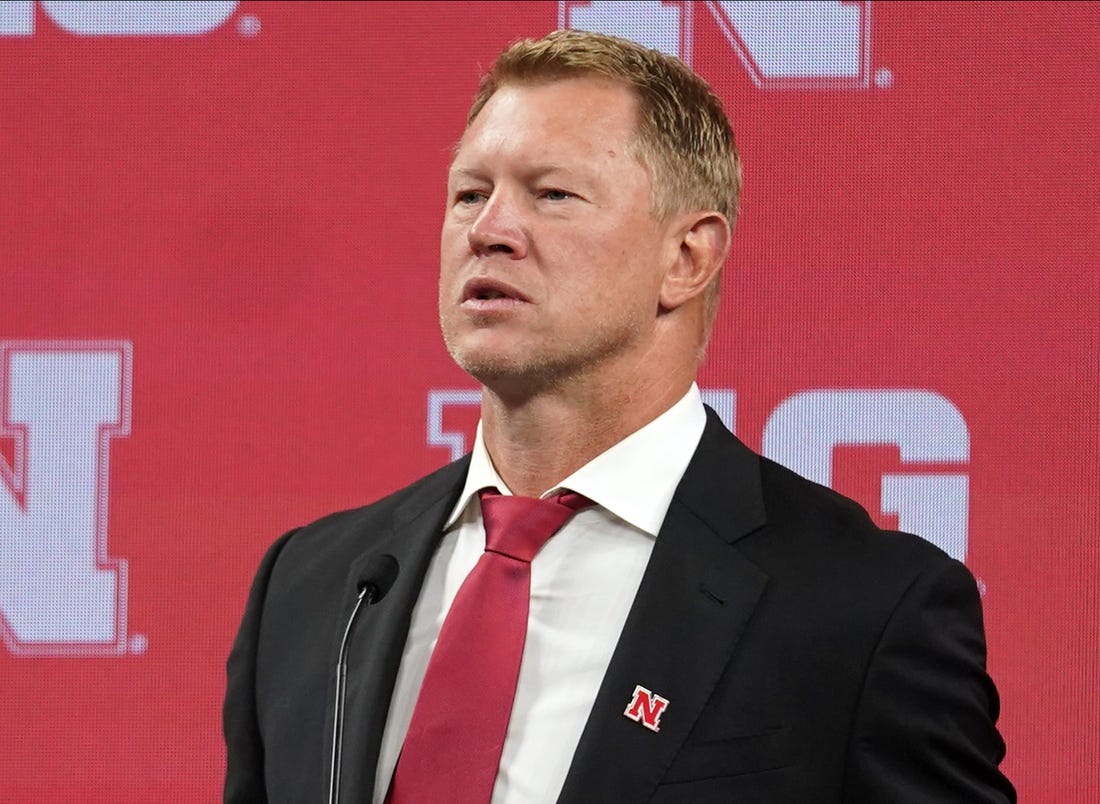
x=518 y=527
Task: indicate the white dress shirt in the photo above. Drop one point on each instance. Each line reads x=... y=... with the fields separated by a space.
x=583 y=583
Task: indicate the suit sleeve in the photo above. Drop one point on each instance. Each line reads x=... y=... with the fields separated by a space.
x=244 y=774
x=925 y=728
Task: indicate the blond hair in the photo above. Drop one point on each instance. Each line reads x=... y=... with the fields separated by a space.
x=684 y=137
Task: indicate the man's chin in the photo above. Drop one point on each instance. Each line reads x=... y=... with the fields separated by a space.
x=506 y=372
x=489 y=366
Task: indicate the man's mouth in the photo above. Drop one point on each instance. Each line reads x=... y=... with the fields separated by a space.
x=484 y=289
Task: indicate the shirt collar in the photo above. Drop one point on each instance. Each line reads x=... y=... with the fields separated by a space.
x=634 y=480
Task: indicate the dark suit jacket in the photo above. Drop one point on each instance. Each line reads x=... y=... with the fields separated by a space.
x=807 y=655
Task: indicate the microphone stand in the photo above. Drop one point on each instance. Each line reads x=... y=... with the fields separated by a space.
x=368 y=594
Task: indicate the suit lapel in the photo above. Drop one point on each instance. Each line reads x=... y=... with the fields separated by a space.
x=696 y=597
x=380 y=633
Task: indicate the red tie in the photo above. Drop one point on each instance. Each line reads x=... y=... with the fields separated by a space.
x=452 y=749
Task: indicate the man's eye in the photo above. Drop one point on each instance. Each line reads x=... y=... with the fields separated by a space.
x=556 y=195
x=467 y=197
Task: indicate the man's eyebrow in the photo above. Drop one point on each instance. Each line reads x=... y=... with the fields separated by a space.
x=468 y=173
x=532 y=174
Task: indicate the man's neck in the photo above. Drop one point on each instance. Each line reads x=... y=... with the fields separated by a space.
x=538 y=441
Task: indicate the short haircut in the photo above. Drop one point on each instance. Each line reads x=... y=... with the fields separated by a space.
x=685 y=140
x=684 y=137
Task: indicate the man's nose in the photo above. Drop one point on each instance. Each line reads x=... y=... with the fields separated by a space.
x=499 y=227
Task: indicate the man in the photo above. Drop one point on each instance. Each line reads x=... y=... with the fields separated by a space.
x=708 y=626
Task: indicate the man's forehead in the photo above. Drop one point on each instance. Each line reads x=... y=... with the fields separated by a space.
x=534 y=92
x=576 y=110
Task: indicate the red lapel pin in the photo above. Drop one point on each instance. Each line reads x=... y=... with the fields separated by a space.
x=646 y=707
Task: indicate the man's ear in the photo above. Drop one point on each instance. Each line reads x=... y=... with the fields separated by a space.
x=704 y=241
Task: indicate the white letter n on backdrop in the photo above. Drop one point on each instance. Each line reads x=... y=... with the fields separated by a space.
x=61 y=402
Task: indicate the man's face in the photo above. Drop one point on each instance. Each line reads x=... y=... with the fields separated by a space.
x=550 y=255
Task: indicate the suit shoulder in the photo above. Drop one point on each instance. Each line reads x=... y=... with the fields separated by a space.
x=818 y=513
x=420 y=493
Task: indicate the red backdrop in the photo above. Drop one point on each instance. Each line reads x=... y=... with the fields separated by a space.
x=218 y=249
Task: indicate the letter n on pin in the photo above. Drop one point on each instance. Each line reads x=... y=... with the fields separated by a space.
x=646 y=708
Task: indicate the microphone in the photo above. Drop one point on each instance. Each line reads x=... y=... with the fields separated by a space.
x=373 y=583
